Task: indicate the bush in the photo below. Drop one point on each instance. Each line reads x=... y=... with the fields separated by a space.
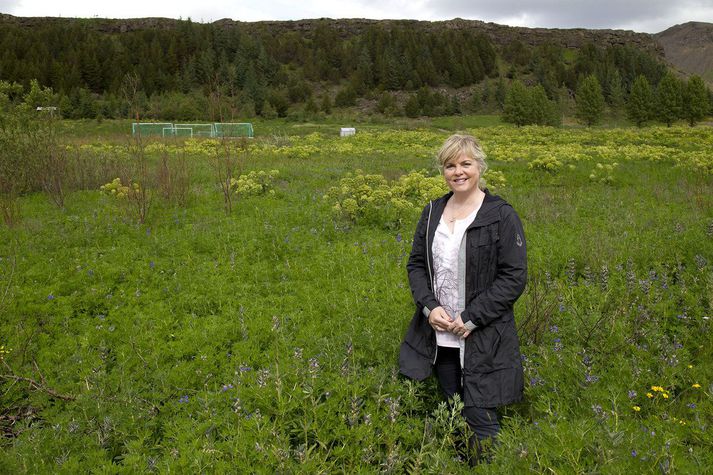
x=372 y=200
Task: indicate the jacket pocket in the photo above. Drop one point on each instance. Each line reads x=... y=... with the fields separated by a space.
x=482 y=262
x=482 y=348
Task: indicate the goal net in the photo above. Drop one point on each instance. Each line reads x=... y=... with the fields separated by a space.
x=149 y=128
x=233 y=129
x=197 y=130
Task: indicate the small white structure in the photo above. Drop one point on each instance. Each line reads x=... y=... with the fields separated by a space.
x=347 y=131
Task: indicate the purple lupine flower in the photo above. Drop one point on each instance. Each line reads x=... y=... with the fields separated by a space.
x=692 y=405
x=398 y=237
x=50 y=297
x=632 y=394
x=151 y=264
x=183 y=399
x=634 y=453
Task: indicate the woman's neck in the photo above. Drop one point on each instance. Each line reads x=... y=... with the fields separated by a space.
x=470 y=198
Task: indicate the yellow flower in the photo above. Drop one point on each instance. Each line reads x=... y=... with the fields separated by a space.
x=649 y=395
x=665 y=395
x=696 y=386
x=636 y=408
x=690 y=366
x=657 y=389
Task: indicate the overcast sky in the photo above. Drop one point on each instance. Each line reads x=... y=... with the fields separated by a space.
x=649 y=16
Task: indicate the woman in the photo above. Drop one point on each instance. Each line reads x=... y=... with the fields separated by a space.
x=468 y=266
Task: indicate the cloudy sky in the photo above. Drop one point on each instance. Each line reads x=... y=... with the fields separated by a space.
x=649 y=16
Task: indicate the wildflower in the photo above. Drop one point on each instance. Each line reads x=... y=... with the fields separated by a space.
x=398 y=237
x=632 y=394
x=591 y=378
x=696 y=386
x=50 y=297
x=634 y=453
x=183 y=399
x=665 y=395
x=690 y=366
x=636 y=408
x=657 y=389
x=649 y=395
x=692 y=405
x=151 y=264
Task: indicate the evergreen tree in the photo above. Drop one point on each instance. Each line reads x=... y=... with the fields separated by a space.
x=516 y=109
x=696 y=104
x=615 y=96
x=542 y=110
x=638 y=107
x=412 y=108
x=669 y=99
x=590 y=101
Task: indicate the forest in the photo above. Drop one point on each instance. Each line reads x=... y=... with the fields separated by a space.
x=191 y=71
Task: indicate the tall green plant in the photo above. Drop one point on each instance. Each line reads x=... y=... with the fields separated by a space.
x=669 y=99
x=590 y=101
x=639 y=105
x=695 y=100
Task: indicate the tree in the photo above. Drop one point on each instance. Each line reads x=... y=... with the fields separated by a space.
x=615 y=95
x=516 y=109
x=695 y=100
x=638 y=107
x=542 y=110
x=669 y=99
x=590 y=101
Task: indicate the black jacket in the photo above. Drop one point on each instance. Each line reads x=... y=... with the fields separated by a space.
x=495 y=275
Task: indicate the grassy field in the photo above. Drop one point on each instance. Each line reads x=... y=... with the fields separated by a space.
x=265 y=339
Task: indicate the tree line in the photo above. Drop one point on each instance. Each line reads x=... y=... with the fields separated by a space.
x=207 y=71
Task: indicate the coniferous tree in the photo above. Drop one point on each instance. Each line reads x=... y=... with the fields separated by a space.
x=696 y=104
x=590 y=101
x=516 y=109
x=639 y=105
x=669 y=99
x=615 y=96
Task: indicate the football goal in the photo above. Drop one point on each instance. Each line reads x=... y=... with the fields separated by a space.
x=233 y=129
x=217 y=129
x=197 y=130
x=149 y=128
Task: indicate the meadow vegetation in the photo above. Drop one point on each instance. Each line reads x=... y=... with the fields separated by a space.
x=263 y=336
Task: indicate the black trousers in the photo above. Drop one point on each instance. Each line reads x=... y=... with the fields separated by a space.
x=483 y=421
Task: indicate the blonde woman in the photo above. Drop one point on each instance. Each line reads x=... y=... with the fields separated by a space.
x=467 y=267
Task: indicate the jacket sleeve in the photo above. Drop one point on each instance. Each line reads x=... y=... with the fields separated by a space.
x=510 y=277
x=417 y=267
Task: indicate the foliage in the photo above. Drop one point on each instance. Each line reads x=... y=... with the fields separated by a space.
x=669 y=99
x=639 y=107
x=255 y=183
x=696 y=103
x=529 y=105
x=371 y=199
x=603 y=173
x=590 y=101
x=200 y=342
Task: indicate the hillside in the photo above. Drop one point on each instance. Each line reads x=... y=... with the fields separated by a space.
x=308 y=66
x=689 y=47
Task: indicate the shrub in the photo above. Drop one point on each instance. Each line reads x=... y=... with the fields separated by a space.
x=255 y=183
x=371 y=199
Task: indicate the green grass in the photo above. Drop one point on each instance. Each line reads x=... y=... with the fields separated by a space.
x=200 y=342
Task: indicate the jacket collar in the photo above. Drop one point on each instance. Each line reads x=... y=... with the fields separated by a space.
x=489 y=211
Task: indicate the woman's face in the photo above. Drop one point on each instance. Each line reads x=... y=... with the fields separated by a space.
x=462 y=174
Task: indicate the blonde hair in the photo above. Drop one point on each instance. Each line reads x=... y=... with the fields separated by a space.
x=458 y=144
